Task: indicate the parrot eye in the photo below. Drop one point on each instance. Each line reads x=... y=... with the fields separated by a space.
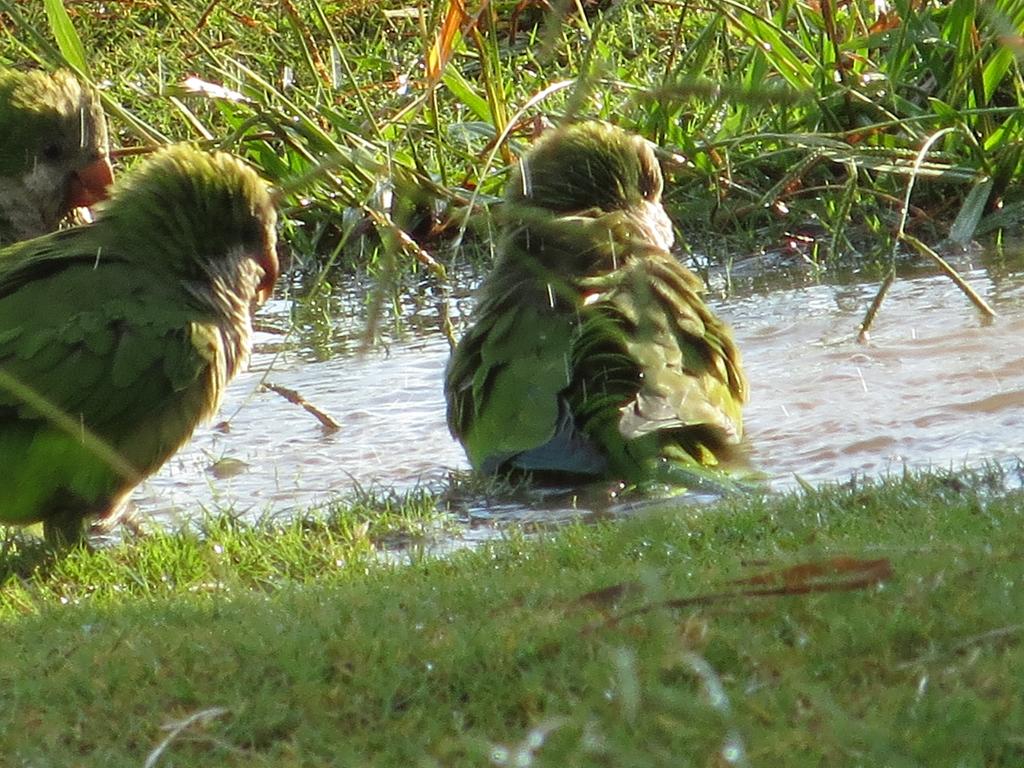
x=52 y=152
x=647 y=186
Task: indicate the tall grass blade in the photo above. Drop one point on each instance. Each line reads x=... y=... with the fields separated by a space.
x=966 y=222
x=462 y=89
x=67 y=38
x=437 y=57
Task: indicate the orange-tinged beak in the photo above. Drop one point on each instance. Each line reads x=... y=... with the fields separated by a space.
x=89 y=185
x=270 y=270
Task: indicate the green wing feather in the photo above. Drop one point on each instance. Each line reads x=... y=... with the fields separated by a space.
x=516 y=354
x=656 y=374
x=126 y=370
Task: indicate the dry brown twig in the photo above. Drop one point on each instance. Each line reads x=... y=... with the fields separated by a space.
x=292 y=396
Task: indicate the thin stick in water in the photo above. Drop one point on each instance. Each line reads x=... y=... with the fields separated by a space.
x=326 y=421
x=987 y=312
x=869 y=317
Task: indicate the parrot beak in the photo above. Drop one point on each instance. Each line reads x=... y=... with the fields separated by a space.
x=89 y=185
x=658 y=224
x=270 y=267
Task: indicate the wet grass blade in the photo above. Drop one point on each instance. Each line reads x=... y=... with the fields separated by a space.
x=986 y=311
x=864 y=330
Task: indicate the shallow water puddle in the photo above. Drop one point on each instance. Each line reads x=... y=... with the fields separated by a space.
x=934 y=387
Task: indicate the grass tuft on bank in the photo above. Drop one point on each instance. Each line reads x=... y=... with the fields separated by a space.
x=834 y=128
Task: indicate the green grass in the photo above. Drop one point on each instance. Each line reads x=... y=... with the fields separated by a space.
x=348 y=534
x=772 y=117
x=877 y=623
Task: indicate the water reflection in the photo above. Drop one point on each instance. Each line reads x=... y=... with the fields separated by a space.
x=934 y=387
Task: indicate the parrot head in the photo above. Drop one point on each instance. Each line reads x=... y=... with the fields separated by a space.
x=210 y=206
x=53 y=149
x=592 y=168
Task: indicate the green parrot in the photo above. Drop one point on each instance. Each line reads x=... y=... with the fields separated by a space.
x=53 y=151
x=118 y=337
x=591 y=354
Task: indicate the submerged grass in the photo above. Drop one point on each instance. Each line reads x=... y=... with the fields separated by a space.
x=874 y=623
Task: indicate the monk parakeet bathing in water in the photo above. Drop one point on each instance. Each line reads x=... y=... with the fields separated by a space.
x=53 y=151
x=118 y=337
x=591 y=354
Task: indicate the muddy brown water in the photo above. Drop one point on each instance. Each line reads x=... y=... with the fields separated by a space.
x=935 y=387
